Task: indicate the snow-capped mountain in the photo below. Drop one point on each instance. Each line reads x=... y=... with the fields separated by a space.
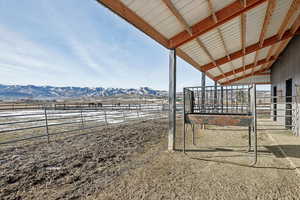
x=36 y=92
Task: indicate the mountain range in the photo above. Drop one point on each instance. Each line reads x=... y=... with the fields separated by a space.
x=51 y=92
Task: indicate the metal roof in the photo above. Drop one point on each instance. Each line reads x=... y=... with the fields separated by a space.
x=232 y=41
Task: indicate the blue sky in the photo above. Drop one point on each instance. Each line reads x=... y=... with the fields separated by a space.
x=80 y=43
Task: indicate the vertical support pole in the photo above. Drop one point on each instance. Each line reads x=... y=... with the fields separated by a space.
x=46 y=124
x=203 y=91
x=124 y=117
x=222 y=99
x=105 y=117
x=81 y=116
x=215 y=96
x=172 y=100
x=137 y=113
x=255 y=124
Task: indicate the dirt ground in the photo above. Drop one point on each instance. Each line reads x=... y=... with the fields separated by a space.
x=217 y=167
x=77 y=167
x=131 y=162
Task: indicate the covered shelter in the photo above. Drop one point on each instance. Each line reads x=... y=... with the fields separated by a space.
x=230 y=41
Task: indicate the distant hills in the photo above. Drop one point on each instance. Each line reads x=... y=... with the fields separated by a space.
x=51 y=92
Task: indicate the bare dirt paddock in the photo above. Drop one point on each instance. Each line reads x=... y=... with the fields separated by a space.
x=77 y=167
x=130 y=161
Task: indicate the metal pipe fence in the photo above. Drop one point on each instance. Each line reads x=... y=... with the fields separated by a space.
x=282 y=109
x=13 y=106
x=19 y=126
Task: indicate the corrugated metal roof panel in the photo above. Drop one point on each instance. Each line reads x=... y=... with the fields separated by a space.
x=157 y=14
x=254 y=23
x=192 y=10
x=215 y=72
x=232 y=34
x=193 y=49
x=263 y=53
x=255 y=79
x=281 y=9
x=218 y=5
x=227 y=67
x=237 y=63
x=249 y=58
x=213 y=43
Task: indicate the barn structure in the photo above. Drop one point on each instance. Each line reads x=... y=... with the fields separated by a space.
x=230 y=41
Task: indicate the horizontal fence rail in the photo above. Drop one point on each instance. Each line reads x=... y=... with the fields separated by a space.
x=284 y=110
x=25 y=125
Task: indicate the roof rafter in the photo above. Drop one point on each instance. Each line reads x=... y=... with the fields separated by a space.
x=190 y=60
x=291 y=12
x=257 y=73
x=185 y=25
x=241 y=69
x=243 y=32
x=215 y=18
x=281 y=46
x=224 y=15
x=250 y=49
x=268 y=16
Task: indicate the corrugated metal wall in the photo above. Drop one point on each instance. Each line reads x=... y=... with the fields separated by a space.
x=287 y=66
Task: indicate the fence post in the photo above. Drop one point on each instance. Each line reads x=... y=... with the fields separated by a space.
x=137 y=112
x=81 y=116
x=105 y=117
x=124 y=118
x=46 y=124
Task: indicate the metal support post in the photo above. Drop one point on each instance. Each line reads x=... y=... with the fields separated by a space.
x=81 y=117
x=215 y=96
x=203 y=91
x=46 y=124
x=222 y=99
x=105 y=118
x=172 y=100
x=124 y=118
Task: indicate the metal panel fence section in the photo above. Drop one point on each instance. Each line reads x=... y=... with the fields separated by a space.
x=26 y=125
x=282 y=109
x=234 y=99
